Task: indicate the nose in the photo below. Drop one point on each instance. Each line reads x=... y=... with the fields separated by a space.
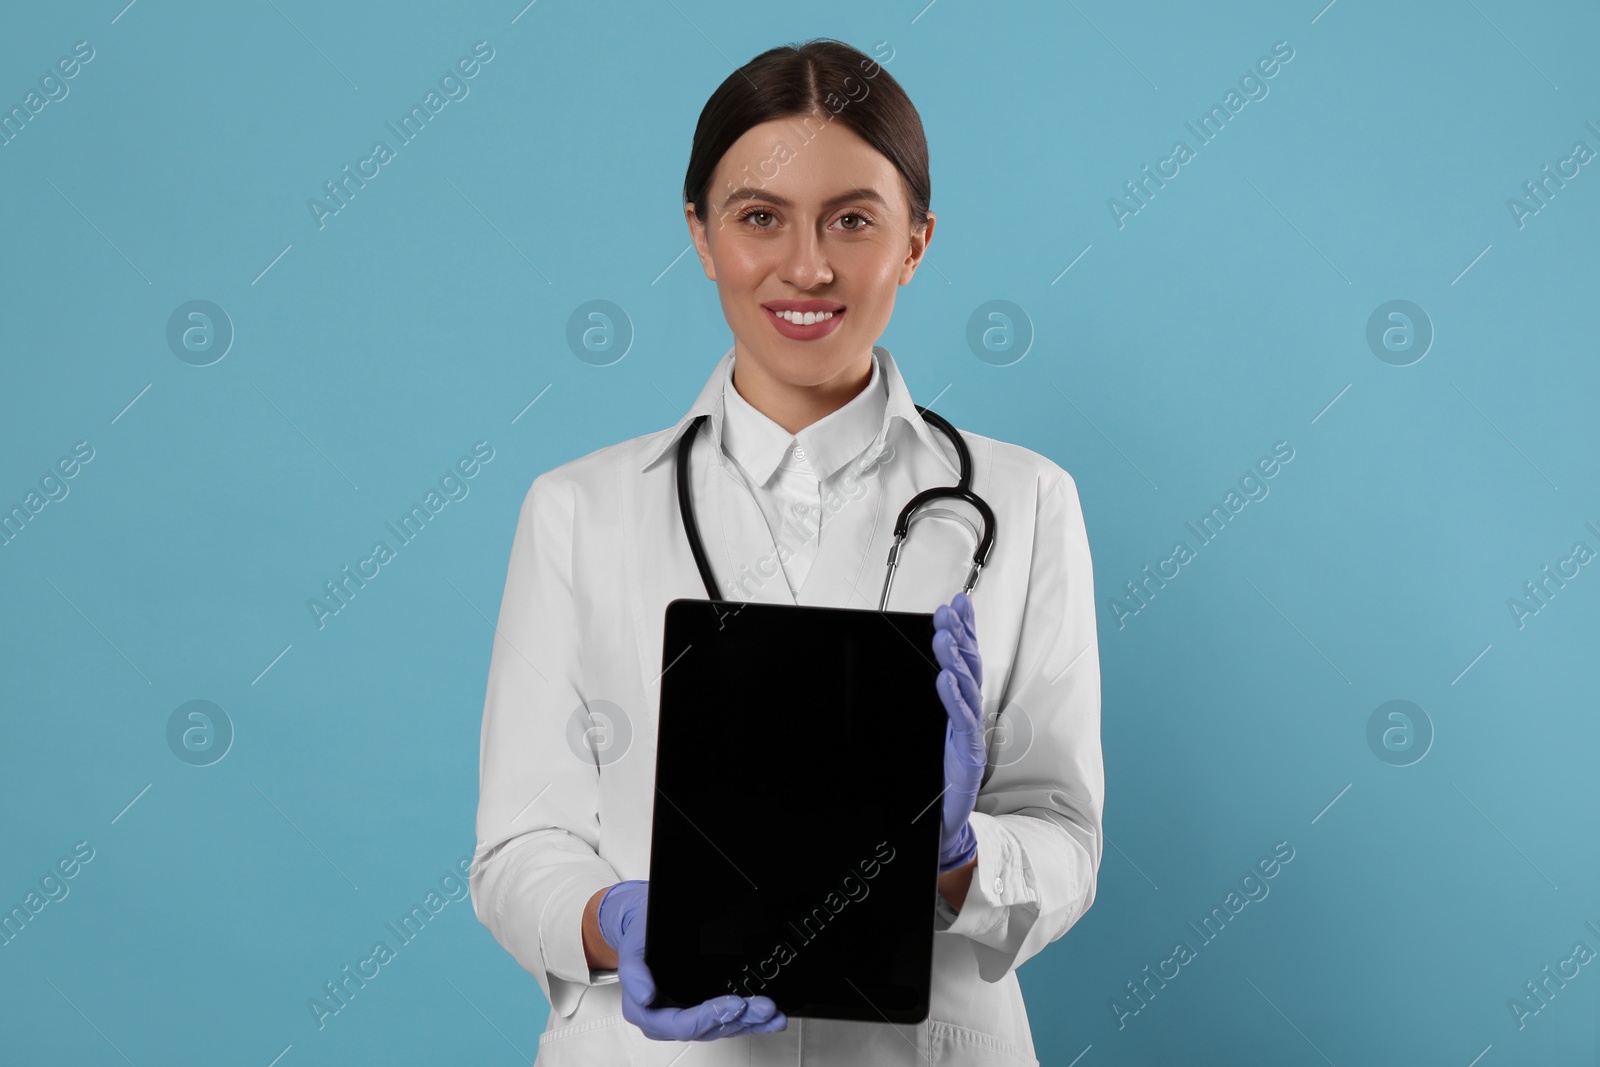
x=805 y=264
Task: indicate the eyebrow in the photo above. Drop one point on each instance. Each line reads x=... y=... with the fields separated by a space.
x=744 y=192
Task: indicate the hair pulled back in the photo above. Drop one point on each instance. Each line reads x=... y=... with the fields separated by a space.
x=814 y=83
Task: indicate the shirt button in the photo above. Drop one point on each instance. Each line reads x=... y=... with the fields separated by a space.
x=799 y=453
x=801 y=510
x=999 y=887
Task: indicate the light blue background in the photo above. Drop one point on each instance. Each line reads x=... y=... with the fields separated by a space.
x=1228 y=314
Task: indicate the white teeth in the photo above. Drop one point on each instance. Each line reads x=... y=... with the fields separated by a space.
x=804 y=318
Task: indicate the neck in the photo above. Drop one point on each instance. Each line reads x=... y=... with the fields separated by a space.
x=794 y=407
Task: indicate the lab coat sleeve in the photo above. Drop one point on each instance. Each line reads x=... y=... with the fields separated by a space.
x=1038 y=817
x=538 y=827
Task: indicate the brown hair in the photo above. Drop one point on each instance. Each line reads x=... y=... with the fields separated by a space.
x=820 y=75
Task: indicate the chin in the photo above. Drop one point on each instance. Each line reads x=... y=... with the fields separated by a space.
x=798 y=364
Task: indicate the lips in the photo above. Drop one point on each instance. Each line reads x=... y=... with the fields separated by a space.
x=803 y=305
x=797 y=331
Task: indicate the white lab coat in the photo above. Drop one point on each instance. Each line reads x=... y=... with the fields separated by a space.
x=568 y=744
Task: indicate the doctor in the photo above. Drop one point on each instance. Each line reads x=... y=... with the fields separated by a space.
x=806 y=194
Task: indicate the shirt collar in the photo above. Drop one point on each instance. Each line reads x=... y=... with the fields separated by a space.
x=760 y=444
x=897 y=403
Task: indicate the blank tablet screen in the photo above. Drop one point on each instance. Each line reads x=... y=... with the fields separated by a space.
x=795 y=835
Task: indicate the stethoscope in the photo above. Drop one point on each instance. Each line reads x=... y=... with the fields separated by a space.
x=962 y=490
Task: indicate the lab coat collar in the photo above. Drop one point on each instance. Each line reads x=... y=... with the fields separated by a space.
x=897 y=405
x=760 y=445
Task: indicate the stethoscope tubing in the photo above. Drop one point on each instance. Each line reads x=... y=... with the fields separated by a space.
x=962 y=490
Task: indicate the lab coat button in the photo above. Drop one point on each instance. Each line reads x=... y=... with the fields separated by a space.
x=999 y=887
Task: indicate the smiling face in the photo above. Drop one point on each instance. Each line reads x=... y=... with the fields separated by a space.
x=819 y=226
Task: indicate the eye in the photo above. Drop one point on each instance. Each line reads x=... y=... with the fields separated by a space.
x=751 y=211
x=863 y=219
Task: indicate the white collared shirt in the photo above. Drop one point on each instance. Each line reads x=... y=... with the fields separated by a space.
x=567 y=766
x=787 y=472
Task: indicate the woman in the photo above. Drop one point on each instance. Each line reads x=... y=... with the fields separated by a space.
x=806 y=196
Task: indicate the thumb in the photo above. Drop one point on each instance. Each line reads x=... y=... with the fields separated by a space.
x=632 y=967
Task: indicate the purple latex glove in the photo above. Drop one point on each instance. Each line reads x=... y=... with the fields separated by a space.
x=622 y=915
x=955 y=643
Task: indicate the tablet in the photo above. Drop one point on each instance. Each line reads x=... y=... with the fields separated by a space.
x=794 y=845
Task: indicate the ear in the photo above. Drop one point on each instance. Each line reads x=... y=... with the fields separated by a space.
x=919 y=247
x=699 y=233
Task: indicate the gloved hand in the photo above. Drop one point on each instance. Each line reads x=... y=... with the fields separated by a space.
x=622 y=915
x=955 y=643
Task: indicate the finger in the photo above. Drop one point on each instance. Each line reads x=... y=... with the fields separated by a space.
x=954 y=620
x=968 y=612
x=965 y=750
x=632 y=970
x=950 y=645
x=949 y=617
x=968 y=646
x=966 y=698
x=761 y=1017
x=953 y=660
x=964 y=723
x=771 y=1026
x=968 y=634
x=639 y=989
x=713 y=1018
x=761 y=1008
